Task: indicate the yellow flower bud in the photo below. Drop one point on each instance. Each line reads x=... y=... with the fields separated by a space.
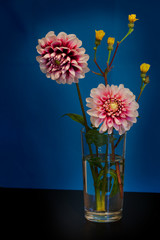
x=132 y=18
x=144 y=67
x=110 y=41
x=99 y=34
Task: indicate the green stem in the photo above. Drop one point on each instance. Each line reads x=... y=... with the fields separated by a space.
x=109 y=55
x=98 y=200
x=82 y=107
x=95 y=52
x=142 y=88
x=129 y=32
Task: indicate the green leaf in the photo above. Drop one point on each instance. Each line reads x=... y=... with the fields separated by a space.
x=93 y=136
x=115 y=183
x=75 y=117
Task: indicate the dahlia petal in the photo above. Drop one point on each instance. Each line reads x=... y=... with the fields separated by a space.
x=79 y=43
x=132 y=119
x=89 y=100
x=85 y=70
x=121 y=86
x=58 y=49
x=93 y=113
x=81 y=50
x=101 y=86
x=57 y=74
x=77 y=67
x=71 y=70
x=80 y=75
x=102 y=114
x=94 y=92
x=114 y=90
x=56 y=43
x=39 y=49
x=74 y=62
x=91 y=105
x=110 y=130
x=122 y=115
x=42 y=42
x=40 y=59
x=47 y=56
x=124 y=123
x=59 y=81
x=75 y=42
x=71 y=36
x=43 y=68
x=117 y=121
x=50 y=36
x=48 y=75
x=132 y=114
x=67 y=66
x=110 y=122
x=70 y=80
x=104 y=127
x=83 y=58
x=53 y=76
x=62 y=35
x=121 y=130
x=135 y=105
x=97 y=101
x=116 y=126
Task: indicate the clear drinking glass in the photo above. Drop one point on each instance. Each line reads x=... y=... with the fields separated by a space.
x=103 y=158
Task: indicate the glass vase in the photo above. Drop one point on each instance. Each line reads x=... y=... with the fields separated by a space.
x=103 y=158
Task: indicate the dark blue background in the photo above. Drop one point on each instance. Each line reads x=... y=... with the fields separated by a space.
x=38 y=148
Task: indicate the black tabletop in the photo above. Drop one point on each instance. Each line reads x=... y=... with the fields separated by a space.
x=46 y=214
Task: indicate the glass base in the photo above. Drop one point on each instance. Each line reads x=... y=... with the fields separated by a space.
x=103 y=217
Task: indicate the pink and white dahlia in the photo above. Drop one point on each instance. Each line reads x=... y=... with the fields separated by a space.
x=61 y=57
x=112 y=107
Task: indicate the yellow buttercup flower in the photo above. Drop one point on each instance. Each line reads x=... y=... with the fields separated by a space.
x=132 y=18
x=144 y=67
x=99 y=34
x=110 y=41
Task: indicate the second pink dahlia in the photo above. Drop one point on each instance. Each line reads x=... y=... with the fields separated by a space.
x=112 y=107
x=62 y=58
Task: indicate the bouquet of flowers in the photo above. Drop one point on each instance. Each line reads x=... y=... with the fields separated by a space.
x=112 y=110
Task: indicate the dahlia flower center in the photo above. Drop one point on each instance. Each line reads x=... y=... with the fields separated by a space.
x=57 y=62
x=113 y=106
